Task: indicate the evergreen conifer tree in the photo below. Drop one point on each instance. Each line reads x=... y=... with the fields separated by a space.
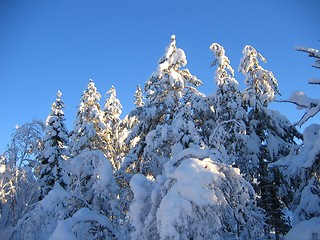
x=55 y=149
x=89 y=125
x=113 y=132
x=164 y=95
x=229 y=135
x=271 y=137
x=138 y=97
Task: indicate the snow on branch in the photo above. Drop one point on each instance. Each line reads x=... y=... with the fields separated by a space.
x=262 y=86
x=314 y=81
x=311 y=53
x=302 y=101
x=221 y=59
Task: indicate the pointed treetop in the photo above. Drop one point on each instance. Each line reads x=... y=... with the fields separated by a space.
x=91 y=94
x=138 y=97
x=59 y=94
x=58 y=105
x=173 y=57
x=112 y=91
x=112 y=105
x=91 y=85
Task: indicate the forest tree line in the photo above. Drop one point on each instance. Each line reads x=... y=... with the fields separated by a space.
x=180 y=165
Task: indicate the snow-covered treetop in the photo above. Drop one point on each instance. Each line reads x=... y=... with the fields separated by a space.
x=221 y=59
x=228 y=98
x=224 y=73
x=250 y=60
x=55 y=120
x=89 y=104
x=89 y=124
x=262 y=86
x=59 y=94
x=169 y=81
x=89 y=109
x=173 y=57
x=138 y=97
x=57 y=107
x=91 y=95
x=112 y=106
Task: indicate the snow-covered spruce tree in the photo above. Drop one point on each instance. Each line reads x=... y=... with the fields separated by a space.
x=195 y=198
x=229 y=135
x=19 y=164
x=114 y=133
x=55 y=149
x=92 y=173
x=271 y=137
x=138 y=97
x=164 y=91
x=89 y=124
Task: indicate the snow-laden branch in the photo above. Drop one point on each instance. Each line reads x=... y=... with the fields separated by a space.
x=311 y=53
x=314 y=81
x=302 y=101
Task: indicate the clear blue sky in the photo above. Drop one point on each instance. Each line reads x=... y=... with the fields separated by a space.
x=47 y=46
